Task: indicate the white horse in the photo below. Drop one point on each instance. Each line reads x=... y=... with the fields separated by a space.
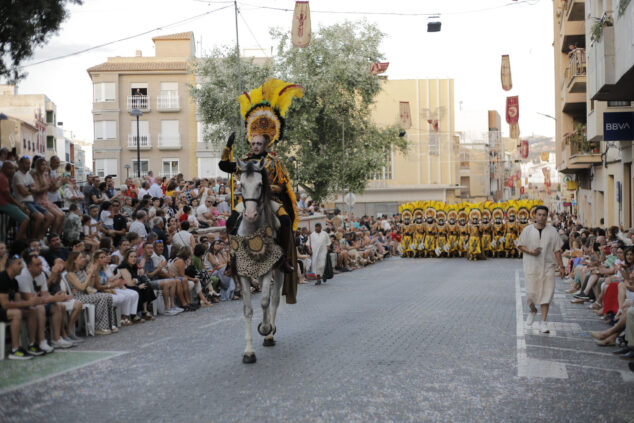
x=257 y=216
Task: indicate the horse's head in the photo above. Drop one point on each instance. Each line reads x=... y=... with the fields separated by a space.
x=251 y=183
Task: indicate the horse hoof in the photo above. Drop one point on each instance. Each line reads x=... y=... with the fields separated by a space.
x=248 y=359
x=263 y=333
x=269 y=342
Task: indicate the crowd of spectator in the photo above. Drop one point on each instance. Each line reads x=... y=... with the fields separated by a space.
x=154 y=246
x=600 y=272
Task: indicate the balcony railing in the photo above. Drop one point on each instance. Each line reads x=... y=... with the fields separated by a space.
x=145 y=143
x=167 y=102
x=140 y=102
x=584 y=148
x=169 y=142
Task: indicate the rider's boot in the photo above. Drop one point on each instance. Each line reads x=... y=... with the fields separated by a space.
x=283 y=239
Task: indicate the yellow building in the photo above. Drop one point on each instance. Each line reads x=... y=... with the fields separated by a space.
x=429 y=169
x=158 y=87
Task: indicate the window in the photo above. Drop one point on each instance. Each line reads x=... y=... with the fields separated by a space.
x=145 y=167
x=170 y=168
x=106 y=130
x=208 y=167
x=618 y=103
x=50 y=116
x=138 y=88
x=105 y=167
x=104 y=91
x=50 y=142
x=170 y=136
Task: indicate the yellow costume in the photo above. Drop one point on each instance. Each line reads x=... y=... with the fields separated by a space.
x=452 y=230
x=511 y=230
x=497 y=215
x=442 y=245
x=419 y=231
x=463 y=232
x=486 y=230
x=406 y=241
x=475 y=240
x=430 y=230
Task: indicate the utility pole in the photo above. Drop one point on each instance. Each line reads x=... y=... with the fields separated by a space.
x=235 y=8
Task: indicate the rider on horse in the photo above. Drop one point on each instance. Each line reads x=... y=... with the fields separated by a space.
x=263 y=110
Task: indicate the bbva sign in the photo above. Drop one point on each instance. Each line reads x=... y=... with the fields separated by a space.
x=618 y=126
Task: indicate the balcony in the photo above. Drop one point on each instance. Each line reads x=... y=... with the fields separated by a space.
x=168 y=102
x=575 y=75
x=145 y=143
x=169 y=142
x=140 y=102
x=602 y=67
x=585 y=153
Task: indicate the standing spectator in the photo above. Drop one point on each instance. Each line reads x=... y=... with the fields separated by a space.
x=72 y=224
x=4 y=257
x=8 y=205
x=95 y=196
x=541 y=246
x=130 y=190
x=86 y=190
x=318 y=243
x=143 y=191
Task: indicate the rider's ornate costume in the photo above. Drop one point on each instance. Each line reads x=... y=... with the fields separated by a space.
x=263 y=110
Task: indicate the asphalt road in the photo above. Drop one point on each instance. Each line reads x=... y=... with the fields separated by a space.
x=405 y=340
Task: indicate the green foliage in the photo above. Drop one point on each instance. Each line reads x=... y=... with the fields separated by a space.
x=25 y=25
x=217 y=92
x=622 y=6
x=339 y=92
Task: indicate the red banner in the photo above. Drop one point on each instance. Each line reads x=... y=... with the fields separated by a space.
x=524 y=149
x=301 y=24
x=512 y=109
x=377 y=68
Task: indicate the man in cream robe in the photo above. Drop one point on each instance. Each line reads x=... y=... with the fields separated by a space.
x=318 y=243
x=541 y=246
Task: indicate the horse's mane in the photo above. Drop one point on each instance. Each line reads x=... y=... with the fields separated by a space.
x=266 y=193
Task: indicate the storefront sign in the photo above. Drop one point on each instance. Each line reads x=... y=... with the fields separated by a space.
x=618 y=126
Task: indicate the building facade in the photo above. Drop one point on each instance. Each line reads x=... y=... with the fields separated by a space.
x=157 y=87
x=594 y=75
x=429 y=169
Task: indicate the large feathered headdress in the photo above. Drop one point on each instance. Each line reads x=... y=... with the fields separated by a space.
x=263 y=109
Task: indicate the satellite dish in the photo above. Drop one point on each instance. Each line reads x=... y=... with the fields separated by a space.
x=350 y=199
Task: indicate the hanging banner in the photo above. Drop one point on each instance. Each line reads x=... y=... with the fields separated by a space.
x=524 y=149
x=513 y=115
x=546 y=172
x=507 y=82
x=301 y=24
x=377 y=68
x=544 y=156
x=572 y=185
x=405 y=115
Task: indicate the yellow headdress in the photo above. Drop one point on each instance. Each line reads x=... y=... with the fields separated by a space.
x=405 y=210
x=264 y=108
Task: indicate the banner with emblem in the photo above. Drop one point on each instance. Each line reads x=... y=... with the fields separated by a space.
x=507 y=82
x=513 y=115
x=301 y=24
x=405 y=115
x=377 y=68
x=524 y=149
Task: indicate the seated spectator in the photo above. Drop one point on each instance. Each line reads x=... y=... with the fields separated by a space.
x=127 y=208
x=55 y=250
x=32 y=281
x=204 y=213
x=72 y=194
x=138 y=226
x=125 y=299
x=135 y=279
x=183 y=238
x=219 y=262
x=40 y=190
x=4 y=256
x=176 y=266
x=40 y=218
x=72 y=224
x=159 y=278
x=8 y=204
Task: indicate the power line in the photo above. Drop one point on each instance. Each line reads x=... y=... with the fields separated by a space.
x=407 y=14
x=251 y=32
x=64 y=56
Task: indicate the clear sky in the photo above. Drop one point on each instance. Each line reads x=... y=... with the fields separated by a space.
x=468 y=49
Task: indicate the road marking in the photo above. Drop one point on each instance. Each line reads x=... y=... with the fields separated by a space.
x=217 y=322
x=571 y=350
x=156 y=341
x=531 y=367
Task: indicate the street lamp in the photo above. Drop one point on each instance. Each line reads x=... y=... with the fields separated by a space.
x=2 y=117
x=127 y=170
x=137 y=113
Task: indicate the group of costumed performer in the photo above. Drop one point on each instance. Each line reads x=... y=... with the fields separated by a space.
x=263 y=110
x=472 y=230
